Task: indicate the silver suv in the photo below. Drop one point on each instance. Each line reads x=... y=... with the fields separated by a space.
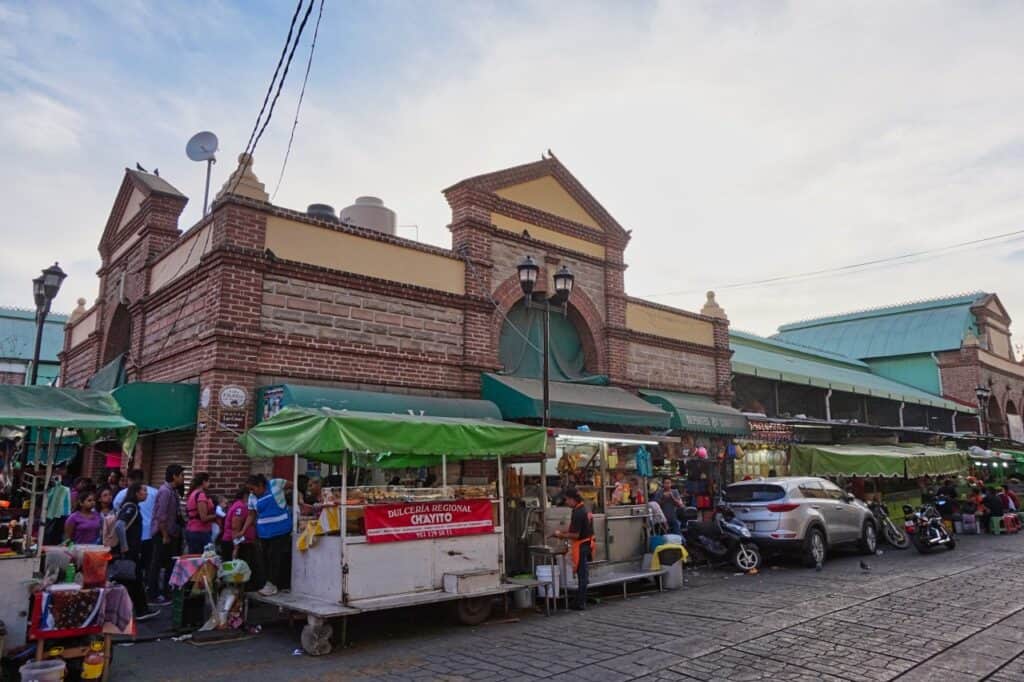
x=802 y=515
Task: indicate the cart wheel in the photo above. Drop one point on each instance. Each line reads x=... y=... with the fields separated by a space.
x=316 y=639
x=473 y=611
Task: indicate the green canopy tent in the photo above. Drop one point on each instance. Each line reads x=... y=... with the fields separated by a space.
x=91 y=413
x=888 y=461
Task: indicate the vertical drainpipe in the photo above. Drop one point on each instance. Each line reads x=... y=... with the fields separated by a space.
x=954 y=421
x=902 y=404
x=938 y=372
x=828 y=405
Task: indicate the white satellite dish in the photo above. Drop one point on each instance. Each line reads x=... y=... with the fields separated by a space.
x=203 y=147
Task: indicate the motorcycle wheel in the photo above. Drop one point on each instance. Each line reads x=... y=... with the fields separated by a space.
x=747 y=557
x=951 y=545
x=920 y=544
x=894 y=535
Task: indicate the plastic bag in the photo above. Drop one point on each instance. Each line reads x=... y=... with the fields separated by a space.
x=234 y=572
x=94 y=568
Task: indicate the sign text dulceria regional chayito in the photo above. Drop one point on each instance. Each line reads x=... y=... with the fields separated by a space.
x=424 y=520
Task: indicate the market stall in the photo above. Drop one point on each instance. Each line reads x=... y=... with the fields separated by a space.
x=90 y=414
x=384 y=547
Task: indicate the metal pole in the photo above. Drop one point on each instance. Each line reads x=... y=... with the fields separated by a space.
x=444 y=474
x=547 y=377
x=295 y=494
x=40 y=321
x=49 y=472
x=206 y=193
x=35 y=479
x=343 y=525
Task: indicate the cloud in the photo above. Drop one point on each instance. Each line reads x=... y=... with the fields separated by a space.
x=738 y=142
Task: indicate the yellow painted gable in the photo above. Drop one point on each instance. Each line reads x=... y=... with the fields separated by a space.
x=548 y=195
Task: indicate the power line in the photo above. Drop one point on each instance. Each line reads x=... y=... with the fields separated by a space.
x=298 y=107
x=781 y=279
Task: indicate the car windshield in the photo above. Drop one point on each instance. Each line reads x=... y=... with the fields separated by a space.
x=754 y=492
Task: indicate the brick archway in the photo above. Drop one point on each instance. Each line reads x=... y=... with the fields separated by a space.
x=582 y=312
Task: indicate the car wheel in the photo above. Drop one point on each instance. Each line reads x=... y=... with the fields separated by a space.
x=868 y=538
x=815 y=549
x=474 y=610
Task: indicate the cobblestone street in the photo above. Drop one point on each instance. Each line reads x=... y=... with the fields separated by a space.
x=950 y=616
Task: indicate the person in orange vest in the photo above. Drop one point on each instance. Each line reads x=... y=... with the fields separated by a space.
x=581 y=533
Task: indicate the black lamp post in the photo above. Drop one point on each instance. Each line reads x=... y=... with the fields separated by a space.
x=984 y=394
x=44 y=288
x=564 y=280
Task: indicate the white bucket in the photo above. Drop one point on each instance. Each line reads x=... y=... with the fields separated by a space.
x=673 y=580
x=549 y=581
x=43 y=671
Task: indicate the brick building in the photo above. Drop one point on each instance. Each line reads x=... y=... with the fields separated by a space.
x=946 y=347
x=256 y=296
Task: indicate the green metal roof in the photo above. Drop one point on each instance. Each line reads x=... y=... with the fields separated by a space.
x=691 y=412
x=18 y=335
x=924 y=327
x=770 y=359
x=520 y=398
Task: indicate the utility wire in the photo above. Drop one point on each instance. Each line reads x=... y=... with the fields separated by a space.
x=298 y=107
x=781 y=279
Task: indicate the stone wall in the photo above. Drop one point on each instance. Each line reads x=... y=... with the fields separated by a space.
x=654 y=367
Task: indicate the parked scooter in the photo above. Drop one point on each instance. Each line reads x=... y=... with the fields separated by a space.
x=892 y=533
x=721 y=541
x=925 y=528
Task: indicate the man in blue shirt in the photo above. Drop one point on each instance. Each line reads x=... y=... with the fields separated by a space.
x=269 y=509
x=146 y=511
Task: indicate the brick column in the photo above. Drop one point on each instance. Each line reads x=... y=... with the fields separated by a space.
x=617 y=348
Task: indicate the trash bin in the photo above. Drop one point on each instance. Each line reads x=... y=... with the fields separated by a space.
x=52 y=670
x=673 y=580
x=670 y=556
x=523 y=599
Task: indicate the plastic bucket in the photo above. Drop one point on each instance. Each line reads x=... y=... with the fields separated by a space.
x=549 y=579
x=673 y=539
x=522 y=599
x=673 y=580
x=43 y=671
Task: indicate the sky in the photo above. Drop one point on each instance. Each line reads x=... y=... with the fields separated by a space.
x=738 y=141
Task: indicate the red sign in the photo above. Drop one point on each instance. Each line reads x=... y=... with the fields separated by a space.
x=425 y=520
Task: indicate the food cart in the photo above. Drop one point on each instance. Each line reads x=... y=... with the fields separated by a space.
x=388 y=547
x=90 y=414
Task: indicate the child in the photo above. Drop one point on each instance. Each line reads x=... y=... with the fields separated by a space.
x=220 y=508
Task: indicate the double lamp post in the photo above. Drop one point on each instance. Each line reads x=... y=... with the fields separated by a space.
x=44 y=288
x=539 y=300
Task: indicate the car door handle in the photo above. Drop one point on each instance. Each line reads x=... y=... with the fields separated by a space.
x=815 y=506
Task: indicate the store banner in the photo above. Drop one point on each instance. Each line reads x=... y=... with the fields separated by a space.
x=425 y=520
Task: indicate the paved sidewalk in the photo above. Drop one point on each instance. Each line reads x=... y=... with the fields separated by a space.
x=948 y=616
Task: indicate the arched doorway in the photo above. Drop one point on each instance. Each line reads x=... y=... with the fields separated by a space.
x=1014 y=422
x=522 y=338
x=119 y=334
x=996 y=421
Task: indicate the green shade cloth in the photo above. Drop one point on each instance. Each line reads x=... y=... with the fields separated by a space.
x=522 y=340
x=109 y=376
x=519 y=398
x=324 y=435
x=291 y=395
x=875 y=460
x=89 y=412
x=700 y=413
x=159 y=406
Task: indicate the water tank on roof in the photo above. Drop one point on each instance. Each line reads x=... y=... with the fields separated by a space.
x=370 y=213
x=322 y=211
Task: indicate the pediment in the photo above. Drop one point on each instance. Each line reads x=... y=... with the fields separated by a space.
x=547 y=194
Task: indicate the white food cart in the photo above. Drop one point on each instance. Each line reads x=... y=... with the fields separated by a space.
x=384 y=547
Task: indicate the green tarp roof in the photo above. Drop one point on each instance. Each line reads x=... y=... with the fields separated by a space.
x=923 y=327
x=699 y=413
x=769 y=359
x=89 y=412
x=325 y=435
x=371 y=401
x=159 y=406
x=875 y=460
x=520 y=398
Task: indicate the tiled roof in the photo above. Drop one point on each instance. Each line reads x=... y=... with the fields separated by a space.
x=155 y=183
x=770 y=359
x=906 y=329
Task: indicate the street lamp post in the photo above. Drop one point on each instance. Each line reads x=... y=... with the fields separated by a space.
x=984 y=394
x=44 y=288
x=564 y=280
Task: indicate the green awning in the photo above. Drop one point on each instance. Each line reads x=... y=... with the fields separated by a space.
x=699 y=413
x=159 y=406
x=273 y=398
x=520 y=398
x=325 y=435
x=875 y=460
x=89 y=412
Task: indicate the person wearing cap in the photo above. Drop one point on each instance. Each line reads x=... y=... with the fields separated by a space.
x=581 y=534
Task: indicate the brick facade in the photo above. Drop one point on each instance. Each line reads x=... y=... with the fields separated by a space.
x=239 y=315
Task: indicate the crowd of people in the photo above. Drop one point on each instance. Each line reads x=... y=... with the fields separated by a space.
x=985 y=502
x=150 y=527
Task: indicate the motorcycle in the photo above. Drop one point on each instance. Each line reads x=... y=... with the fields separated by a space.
x=892 y=533
x=721 y=541
x=925 y=528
